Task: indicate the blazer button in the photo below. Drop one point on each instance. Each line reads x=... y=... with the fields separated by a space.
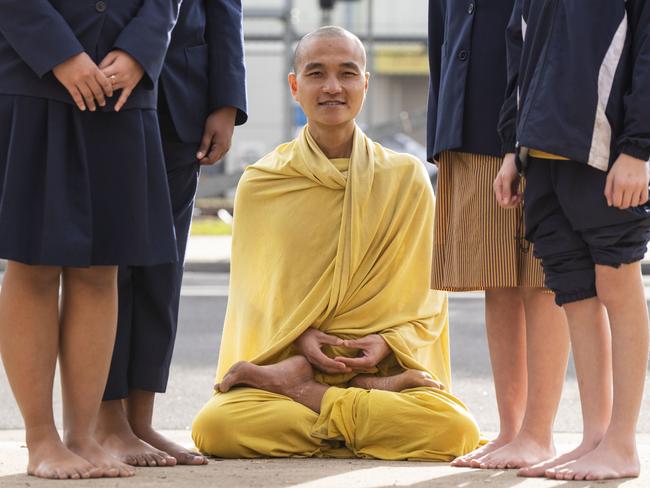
x=462 y=54
x=100 y=6
x=470 y=8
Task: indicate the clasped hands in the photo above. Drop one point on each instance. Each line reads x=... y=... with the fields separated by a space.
x=89 y=84
x=626 y=185
x=372 y=350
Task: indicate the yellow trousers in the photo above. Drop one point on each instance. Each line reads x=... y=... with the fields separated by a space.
x=419 y=423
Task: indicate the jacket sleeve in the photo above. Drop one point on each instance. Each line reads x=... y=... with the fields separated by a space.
x=436 y=40
x=635 y=138
x=38 y=33
x=507 y=126
x=147 y=35
x=226 y=68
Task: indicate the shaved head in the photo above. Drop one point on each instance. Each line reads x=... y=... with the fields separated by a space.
x=328 y=31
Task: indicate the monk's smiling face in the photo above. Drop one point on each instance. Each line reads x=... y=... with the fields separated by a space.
x=330 y=81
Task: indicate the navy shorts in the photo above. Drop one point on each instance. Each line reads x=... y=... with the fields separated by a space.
x=573 y=229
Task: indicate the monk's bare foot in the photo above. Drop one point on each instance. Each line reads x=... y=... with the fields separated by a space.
x=51 y=459
x=283 y=377
x=521 y=452
x=178 y=452
x=410 y=378
x=89 y=449
x=124 y=445
x=540 y=469
x=293 y=377
x=609 y=460
x=466 y=460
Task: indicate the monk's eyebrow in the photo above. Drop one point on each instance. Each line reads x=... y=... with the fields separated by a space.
x=351 y=65
x=310 y=66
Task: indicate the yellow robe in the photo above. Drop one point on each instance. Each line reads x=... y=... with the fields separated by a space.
x=344 y=246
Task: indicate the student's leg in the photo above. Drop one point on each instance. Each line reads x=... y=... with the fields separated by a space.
x=569 y=272
x=88 y=324
x=156 y=305
x=547 y=351
x=113 y=431
x=621 y=291
x=586 y=317
x=29 y=341
x=506 y=334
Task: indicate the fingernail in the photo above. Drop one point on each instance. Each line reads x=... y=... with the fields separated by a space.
x=199 y=155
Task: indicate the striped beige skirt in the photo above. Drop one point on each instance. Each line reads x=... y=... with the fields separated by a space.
x=476 y=243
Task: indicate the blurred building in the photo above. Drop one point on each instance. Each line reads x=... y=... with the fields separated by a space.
x=394 y=33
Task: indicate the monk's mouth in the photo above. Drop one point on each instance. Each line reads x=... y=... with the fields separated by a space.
x=331 y=103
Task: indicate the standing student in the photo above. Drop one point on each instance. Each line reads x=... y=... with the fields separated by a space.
x=577 y=109
x=477 y=244
x=83 y=190
x=202 y=97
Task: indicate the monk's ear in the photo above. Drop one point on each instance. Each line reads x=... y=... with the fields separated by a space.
x=367 y=78
x=293 y=84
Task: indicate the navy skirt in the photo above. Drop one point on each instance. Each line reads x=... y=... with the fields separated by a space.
x=82 y=188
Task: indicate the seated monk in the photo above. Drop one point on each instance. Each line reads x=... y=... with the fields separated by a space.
x=333 y=344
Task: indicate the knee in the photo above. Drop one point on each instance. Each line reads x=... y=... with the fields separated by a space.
x=100 y=278
x=213 y=431
x=463 y=433
x=38 y=279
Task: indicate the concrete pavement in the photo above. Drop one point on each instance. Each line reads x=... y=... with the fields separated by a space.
x=306 y=473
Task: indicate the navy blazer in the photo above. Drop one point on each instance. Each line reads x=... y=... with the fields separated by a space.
x=204 y=68
x=467 y=60
x=38 y=35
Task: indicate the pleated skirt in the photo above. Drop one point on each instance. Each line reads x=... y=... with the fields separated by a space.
x=477 y=244
x=82 y=188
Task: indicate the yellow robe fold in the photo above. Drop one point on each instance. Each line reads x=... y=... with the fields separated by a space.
x=343 y=246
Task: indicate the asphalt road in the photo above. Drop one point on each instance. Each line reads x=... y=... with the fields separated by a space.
x=202 y=309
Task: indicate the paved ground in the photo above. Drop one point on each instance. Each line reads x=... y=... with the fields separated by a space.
x=202 y=308
x=306 y=473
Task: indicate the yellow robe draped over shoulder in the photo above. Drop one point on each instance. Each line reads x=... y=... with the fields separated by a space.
x=343 y=246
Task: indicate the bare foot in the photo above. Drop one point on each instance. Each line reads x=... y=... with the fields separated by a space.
x=521 y=452
x=466 y=460
x=89 y=449
x=178 y=452
x=410 y=378
x=282 y=377
x=540 y=469
x=607 y=461
x=124 y=445
x=51 y=459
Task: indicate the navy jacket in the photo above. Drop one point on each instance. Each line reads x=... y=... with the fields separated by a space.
x=38 y=35
x=204 y=68
x=581 y=72
x=467 y=60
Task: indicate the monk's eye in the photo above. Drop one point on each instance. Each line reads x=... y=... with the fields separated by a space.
x=314 y=74
x=349 y=74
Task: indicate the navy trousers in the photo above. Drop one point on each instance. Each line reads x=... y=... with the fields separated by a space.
x=573 y=229
x=149 y=296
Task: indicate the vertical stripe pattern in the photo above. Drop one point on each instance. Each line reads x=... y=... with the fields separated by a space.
x=475 y=243
x=602 y=134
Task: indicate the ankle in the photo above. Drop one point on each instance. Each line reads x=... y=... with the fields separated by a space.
x=541 y=437
x=41 y=434
x=77 y=439
x=141 y=429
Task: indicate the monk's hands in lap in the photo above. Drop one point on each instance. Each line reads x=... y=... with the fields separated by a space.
x=124 y=72
x=372 y=350
x=85 y=82
x=217 y=135
x=627 y=183
x=310 y=345
x=506 y=184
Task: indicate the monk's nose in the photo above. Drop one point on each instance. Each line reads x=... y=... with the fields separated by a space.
x=332 y=85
